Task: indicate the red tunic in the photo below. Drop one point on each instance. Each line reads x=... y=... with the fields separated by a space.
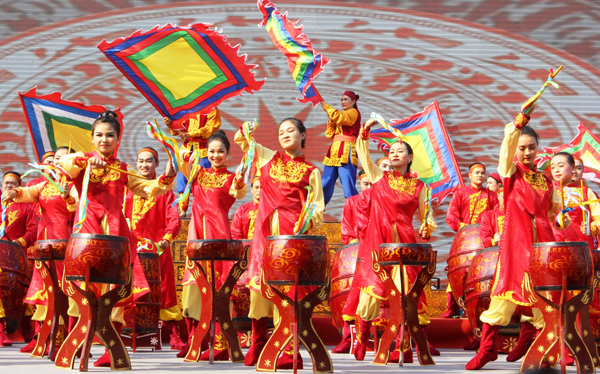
x=210 y=212
x=572 y=195
x=21 y=223
x=244 y=221
x=528 y=197
x=492 y=222
x=467 y=206
x=154 y=218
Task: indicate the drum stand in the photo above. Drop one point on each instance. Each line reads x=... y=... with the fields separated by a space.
x=94 y=319
x=403 y=308
x=57 y=307
x=295 y=315
x=559 y=323
x=215 y=307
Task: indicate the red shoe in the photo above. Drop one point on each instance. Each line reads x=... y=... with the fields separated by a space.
x=346 y=343
x=487 y=351
x=408 y=356
x=184 y=351
x=395 y=355
x=4 y=340
x=103 y=361
x=525 y=338
x=432 y=350
x=191 y=326
x=29 y=347
x=259 y=339
x=362 y=338
x=286 y=361
x=452 y=309
x=27 y=330
x=220 y=355
x=472 y=346
x=175 y=340
x=78 y=354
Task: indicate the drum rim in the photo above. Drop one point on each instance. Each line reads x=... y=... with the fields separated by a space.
x=469 y=226
x=234 y=241
x=11 y=243
x=111 y=238
x=560 y=244
x=349 y=245
x=296 y=237
x=52 y=241
x=145 y=254
x=408 y=245
x=95 y=279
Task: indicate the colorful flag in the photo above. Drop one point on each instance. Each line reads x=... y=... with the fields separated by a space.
x=182 y=71
x=585 y=145
x=434 y=162
x=54 y=122
x=304 y=62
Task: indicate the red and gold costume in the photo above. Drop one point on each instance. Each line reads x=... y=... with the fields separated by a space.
x=352 y=217
x=244 y=221
x=573 y=195
x=200 y=129
x=21 y=223
x=343 y=128
x=467 y=206
x=154 y=218
x=492 y=222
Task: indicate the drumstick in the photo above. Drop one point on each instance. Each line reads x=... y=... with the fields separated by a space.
x=583 y=207
x=562 y=196
x=125 y=172
x=69 y=151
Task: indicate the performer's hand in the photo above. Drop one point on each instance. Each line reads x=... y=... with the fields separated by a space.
x=65 y=186
x=163 y=244
x=323 y=104
x=239 y=174
x=370 y=123
x=185 y=136
x=97 y=163
x=584 y=228
x=497 y=238
x=167 y=121
x=424 y=231
x=170 y=170
x=9 y=195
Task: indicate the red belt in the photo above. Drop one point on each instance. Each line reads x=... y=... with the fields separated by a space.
x=344 y=138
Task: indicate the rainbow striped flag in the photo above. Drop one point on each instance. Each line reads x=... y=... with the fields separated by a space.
x=585 y=145
x=182 y=71
x=434 y=162
x=54 y=122
x=304 y=62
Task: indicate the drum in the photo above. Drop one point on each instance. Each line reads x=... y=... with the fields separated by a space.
x=146 y=312
x=306 y=257
x=221 y=249
x=14 y=282
x=594 y=310
x=548 y=261
x=411 y=254
x=108 y=256
x=342 y=272
x=478 y=284
x=465 y=245
x=42 y=249
x=241 y=297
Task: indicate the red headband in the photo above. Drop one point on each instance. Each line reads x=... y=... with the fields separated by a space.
x=154 y=153
x=381 y=160
x=360 y=177
x=350 y=94
x=577 y=158
x=476 y=165
x=13 y=174
x=47 y=154
x=496 y=177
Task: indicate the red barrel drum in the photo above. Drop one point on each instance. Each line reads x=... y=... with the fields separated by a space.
x=409 y=254
x=343 y=269
x=548 y=262
x=217 y=249
x=108 y=256
x=306 y=257
x=478 y=284
x=42 y=249
x=146 y=312
x=14 y=282
x=594 y=310
x=465 y=245
x=241 y=297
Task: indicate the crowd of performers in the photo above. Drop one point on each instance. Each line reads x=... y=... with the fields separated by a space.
x=518 y=207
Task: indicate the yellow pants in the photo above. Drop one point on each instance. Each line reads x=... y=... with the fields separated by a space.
x=2 y=314
x=260 y=307
x=171 y=314
x=501 y=311
x=191 y=301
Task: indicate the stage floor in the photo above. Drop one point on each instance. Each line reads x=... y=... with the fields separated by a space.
x=451 y=361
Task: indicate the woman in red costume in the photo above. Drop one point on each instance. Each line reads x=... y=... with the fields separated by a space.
x=56 y=214
x=492 y=223
x=395 y=197
x=215 y=190
x=284 y=177
x=106 y=190
x=531 y=204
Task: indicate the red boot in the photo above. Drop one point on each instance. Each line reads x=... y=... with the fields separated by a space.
x=4 y=340
x=487 y=350
x=286 y=361
x=31 y=345
x=452 y=308
x=259 y=339
x=525 y=339
x=191 y=326
x=27 y=329
x=362 y=338
x=473 y=345
x=175 y=340
x=345 y=344
x=221 y=350
x=104 y=360
x=395 y=355
x=432 y=350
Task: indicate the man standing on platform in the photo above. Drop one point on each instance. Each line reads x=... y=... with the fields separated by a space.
x=466 y=208
x=155 y=218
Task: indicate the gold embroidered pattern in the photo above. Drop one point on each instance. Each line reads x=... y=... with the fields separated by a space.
x=476 y=206
x=401 y=184
x=140 y=207
x=500 y=224
x=49 y=191
x=11 y=217
x=288 y=172
x=106 y=175
x=252 y=219
x=211 y=180
x=536 y=180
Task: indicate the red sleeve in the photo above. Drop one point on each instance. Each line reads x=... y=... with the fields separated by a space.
x=493 y=200
x=237 y=224
x=486 y=229
x=31 y=226
x=348 y=222
x=453 y=215
x=173 y=220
